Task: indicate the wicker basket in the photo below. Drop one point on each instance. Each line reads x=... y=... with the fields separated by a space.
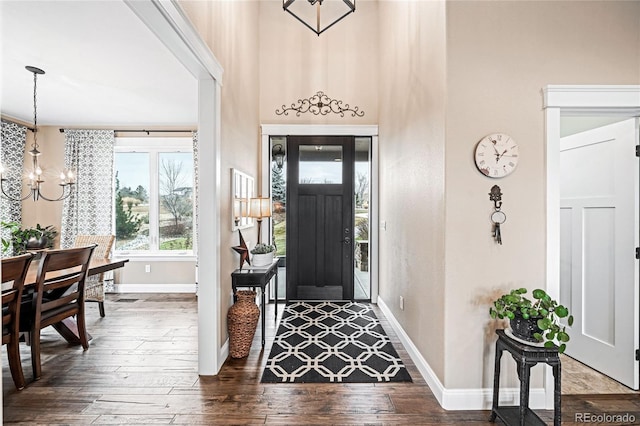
x=241 y=322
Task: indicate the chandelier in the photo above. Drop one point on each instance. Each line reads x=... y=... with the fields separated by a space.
x=35 y=178
x=319 y=15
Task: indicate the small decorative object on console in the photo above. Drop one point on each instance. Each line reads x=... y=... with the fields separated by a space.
x=262 y=254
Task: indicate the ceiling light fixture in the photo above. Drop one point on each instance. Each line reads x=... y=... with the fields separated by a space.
x=35 y=175
x=319 y=15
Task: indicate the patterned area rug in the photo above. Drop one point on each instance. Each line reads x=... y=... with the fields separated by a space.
x=332 y=342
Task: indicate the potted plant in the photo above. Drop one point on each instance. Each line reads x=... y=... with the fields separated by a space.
x=23 y=239
x=534 y=321
x=262 y=254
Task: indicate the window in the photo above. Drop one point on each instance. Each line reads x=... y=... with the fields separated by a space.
x=154 y=196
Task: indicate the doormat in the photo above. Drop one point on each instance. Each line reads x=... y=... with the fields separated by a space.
x=332 y=342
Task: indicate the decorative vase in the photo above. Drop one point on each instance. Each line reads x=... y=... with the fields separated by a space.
x=525 y=328
x=263 y=259
x=241 y=323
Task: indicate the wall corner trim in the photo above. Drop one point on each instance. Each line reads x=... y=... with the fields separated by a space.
x=458 y=399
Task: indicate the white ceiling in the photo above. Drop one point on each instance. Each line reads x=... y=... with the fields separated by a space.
x=103 y=67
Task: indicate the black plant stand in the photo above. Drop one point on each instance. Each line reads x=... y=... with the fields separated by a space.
x=525 y=356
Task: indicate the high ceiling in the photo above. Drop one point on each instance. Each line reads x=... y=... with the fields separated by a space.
x=103 y=67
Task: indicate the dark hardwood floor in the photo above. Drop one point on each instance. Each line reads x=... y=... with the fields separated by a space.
x=141 y=368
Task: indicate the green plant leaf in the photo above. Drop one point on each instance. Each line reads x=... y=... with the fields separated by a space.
x=561 y=311
x=510 y=315
x=570 y=320
x=563 y=337
x=544 y=323
x=538 y=293
x=561 y=348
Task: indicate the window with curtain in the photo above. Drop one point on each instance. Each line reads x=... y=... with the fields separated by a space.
x=154 y=196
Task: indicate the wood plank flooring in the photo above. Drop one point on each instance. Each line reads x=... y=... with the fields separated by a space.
x=141 y=368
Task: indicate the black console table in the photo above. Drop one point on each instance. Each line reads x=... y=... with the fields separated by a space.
x=257 y=277
x=525 y=356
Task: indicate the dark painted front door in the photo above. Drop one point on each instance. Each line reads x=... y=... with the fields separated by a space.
x=320 y=185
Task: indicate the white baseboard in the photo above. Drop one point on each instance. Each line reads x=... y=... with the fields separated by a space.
x=458 y=399
x=154 y=288
x=223 y=354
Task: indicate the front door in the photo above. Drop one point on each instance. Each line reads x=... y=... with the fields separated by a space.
x=320 y=188
x=598 y=238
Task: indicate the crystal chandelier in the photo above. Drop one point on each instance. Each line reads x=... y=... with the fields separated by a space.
x=319 y=15
x=35 y=178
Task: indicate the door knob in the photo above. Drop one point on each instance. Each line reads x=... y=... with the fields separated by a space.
x=347 y=240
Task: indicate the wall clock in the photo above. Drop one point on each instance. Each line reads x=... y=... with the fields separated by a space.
x=496 y=155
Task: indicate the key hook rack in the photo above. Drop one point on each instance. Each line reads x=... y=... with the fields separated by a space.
x=497 y=217
x=496 y=196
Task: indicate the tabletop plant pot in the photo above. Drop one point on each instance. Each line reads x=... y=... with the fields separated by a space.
x=262 y=255
x=536 y=321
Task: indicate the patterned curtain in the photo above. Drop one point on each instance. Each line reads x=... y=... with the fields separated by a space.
x=14 y=139
x=89 y=208
x=195 y=189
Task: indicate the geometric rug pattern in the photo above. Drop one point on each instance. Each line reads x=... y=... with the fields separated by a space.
x=332 y=342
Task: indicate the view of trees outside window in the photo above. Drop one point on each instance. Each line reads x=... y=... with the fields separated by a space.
x=176 y=201
x=154 y=201
x=279 y=210
x=132 y=201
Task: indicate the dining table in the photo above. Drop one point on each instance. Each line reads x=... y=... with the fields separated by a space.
x=67 y=328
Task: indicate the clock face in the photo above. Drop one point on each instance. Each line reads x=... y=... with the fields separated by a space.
x=496 y=155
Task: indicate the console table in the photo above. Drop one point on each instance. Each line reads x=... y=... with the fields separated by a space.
x=525 y=356
x=257 y=277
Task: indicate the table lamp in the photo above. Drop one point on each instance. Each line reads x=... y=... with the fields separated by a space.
x=258 y=209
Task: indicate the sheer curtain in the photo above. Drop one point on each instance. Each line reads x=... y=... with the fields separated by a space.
x=14 y=139
x=88 y=211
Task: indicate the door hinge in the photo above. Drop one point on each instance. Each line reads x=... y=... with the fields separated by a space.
x=637 y=252
x=637 y=150
x=637 y=354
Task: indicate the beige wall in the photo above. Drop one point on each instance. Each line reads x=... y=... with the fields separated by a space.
x=295 y=64
x=412 y=85
x=51 y=145
x=230 y=28
x=500 y=55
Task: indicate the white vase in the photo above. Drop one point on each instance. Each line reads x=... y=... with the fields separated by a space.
x=262 y=259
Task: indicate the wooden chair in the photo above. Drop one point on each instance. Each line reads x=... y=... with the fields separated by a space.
x=59 y=295
x=13 y=269
x=94 y=286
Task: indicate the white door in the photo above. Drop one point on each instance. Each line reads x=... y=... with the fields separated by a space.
x=598 y=235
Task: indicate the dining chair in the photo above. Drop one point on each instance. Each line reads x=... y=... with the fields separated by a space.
x=59 y=294
x=14 y=271
x=94 y=286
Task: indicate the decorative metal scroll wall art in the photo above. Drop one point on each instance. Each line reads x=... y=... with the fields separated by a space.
x=497 y=217
x=320 y=104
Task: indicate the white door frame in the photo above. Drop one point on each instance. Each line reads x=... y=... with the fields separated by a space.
x=623 y=101
x=332 y=130
x=169 y=23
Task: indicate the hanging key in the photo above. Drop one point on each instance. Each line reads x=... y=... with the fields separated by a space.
x=498 y=218
x=496 y=232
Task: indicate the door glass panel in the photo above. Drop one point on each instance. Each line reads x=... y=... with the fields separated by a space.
x=320 y=164
x=362 y=176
